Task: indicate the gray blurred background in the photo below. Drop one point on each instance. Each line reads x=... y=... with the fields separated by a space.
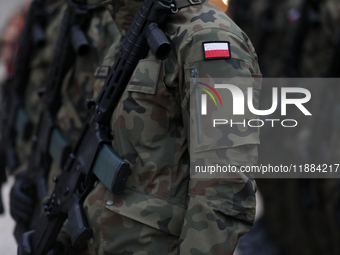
x=7 y=243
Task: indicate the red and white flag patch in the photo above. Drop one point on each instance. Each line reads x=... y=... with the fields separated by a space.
x=216 y=50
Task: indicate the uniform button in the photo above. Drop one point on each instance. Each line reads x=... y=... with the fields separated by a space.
x=109 y=202
x=95 y=184
x=91 y=240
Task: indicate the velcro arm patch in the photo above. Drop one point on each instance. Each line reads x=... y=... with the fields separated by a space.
x=216 y=50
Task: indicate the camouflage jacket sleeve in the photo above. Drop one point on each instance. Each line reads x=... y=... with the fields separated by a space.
x=40 y=66
x=151 y=127
x=79 y=82
x=219 y=209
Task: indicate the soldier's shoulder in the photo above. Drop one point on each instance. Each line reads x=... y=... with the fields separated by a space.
x=204 y=18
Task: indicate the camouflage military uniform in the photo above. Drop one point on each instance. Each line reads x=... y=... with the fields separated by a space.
x=162 y=210
x=21 y=202
x=40 y=67
x=78 y=83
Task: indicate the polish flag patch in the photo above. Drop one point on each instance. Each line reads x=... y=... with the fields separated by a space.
x=216 y=50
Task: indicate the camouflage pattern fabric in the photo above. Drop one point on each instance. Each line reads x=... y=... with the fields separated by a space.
x=107 y=63
x=40 y=67
x=79 y=82
x=162 y=210
x=78 y=85
x=123 y=12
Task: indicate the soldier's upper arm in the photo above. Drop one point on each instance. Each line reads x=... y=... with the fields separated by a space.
x=240 y=68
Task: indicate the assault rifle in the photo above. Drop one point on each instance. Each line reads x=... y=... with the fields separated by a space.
x=93 y=154
x=15 y=121
x=48 y=142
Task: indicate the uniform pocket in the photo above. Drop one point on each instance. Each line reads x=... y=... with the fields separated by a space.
x=145 y=77
x=222 y=132
x=147 y=209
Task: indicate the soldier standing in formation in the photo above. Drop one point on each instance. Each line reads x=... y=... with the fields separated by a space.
x=101 y=32
x=162 y=210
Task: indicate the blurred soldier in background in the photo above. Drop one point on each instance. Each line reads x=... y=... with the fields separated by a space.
x=9 y=40
x=41 y=59
x=76 y=87
x=297 y=39
x=8 y=44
